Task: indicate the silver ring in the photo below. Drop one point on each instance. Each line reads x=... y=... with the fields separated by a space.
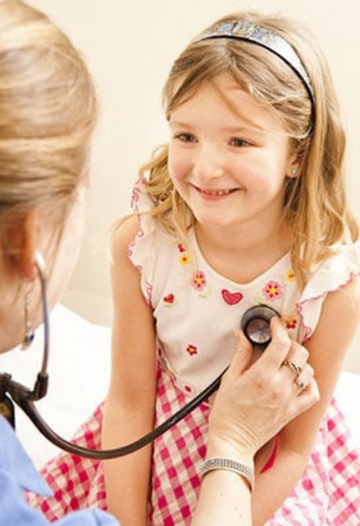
x=293 y=366
x=300 y=384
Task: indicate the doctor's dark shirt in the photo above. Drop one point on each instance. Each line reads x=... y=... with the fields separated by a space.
x=17 y=473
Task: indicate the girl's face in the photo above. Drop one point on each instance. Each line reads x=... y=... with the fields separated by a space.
x=228 y=157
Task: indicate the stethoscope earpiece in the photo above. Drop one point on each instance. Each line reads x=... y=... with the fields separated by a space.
x=256 y=325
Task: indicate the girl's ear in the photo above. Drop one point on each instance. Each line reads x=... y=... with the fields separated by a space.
x=294 y=167
x=296 y=160
x=294 y=172
x=19 y=244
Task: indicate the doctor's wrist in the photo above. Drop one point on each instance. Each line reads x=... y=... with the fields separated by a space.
x=229 y=465
x=225 y=448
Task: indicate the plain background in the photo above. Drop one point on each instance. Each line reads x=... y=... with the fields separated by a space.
x=130 y=47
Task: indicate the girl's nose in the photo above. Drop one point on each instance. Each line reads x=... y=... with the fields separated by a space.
x=208 y=163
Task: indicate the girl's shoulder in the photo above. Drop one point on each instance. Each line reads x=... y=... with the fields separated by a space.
x=337 y=269
x=339 y=266
x=338 y=272
x=123 y=236
x=143 y=239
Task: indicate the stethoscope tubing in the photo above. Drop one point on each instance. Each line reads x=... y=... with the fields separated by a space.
x=16 y=392
x=25 y=398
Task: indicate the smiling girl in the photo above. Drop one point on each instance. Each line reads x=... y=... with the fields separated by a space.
x=244 y=206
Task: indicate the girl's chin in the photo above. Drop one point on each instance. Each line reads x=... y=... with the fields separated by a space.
x=213 y=222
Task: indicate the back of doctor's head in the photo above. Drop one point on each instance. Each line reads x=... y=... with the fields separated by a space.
x=315 y=200
x=47 y=114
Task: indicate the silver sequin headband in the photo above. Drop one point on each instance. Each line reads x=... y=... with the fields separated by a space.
x=267 y=38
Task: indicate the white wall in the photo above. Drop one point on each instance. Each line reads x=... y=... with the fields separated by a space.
x=129 y=47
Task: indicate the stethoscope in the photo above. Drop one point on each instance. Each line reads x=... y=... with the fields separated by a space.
x=256 y=326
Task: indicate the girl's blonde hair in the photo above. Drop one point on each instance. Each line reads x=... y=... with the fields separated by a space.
x=315 y=203
x=47 y=113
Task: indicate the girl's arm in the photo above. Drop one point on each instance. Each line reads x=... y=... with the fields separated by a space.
x=327 y=347
x=129 y=407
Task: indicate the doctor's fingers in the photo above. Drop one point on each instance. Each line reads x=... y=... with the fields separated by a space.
x=242 y=355
x=295 y=363
x=279 y=347
x=304 y=398
x=304 y=377
x=297 y=392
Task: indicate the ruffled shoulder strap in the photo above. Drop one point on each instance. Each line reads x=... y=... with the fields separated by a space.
x=140 y=200
x=143 y=250
x=328 y=276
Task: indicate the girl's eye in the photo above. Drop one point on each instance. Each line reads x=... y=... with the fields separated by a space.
x=185 y=137
x=238 y=143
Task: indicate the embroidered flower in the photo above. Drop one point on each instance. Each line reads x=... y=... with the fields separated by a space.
x=181 y=247
x=191 y=349
x=291 y=323
x=290 y=276
x=184 y=259
x=198 y=281
x=272 y=290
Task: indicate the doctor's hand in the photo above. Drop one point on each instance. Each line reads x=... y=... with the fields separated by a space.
x=256 y=400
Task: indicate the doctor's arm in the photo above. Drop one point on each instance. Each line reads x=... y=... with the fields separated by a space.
x=252 y=405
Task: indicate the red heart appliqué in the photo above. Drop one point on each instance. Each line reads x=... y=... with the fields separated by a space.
x=169 y=298
x=231 y=298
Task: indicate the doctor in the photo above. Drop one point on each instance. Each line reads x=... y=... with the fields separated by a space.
x=47 y=115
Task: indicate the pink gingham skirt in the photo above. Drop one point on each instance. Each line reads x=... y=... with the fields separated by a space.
x=327 y=494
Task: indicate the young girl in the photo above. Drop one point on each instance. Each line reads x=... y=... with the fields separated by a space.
x=245 y=206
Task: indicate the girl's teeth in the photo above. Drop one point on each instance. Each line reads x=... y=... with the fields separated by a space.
x=216 y=192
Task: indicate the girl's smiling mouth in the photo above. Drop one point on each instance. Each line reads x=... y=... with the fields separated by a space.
x=214 y=192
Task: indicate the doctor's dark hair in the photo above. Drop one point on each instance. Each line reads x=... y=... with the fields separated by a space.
x=315 y=202
x=47 y=114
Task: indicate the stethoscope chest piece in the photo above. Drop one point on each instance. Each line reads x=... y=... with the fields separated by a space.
x=256 y=325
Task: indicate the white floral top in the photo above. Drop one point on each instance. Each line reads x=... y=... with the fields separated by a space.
x=197 y=310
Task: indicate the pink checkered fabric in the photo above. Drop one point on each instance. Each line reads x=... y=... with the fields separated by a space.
x=76 y=482
x=329 y=491
x=327 y=494
x=176 y=458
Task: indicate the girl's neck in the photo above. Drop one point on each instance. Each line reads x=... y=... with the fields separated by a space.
x=243 y=255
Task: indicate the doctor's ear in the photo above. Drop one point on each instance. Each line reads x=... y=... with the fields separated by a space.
x=18 y=244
